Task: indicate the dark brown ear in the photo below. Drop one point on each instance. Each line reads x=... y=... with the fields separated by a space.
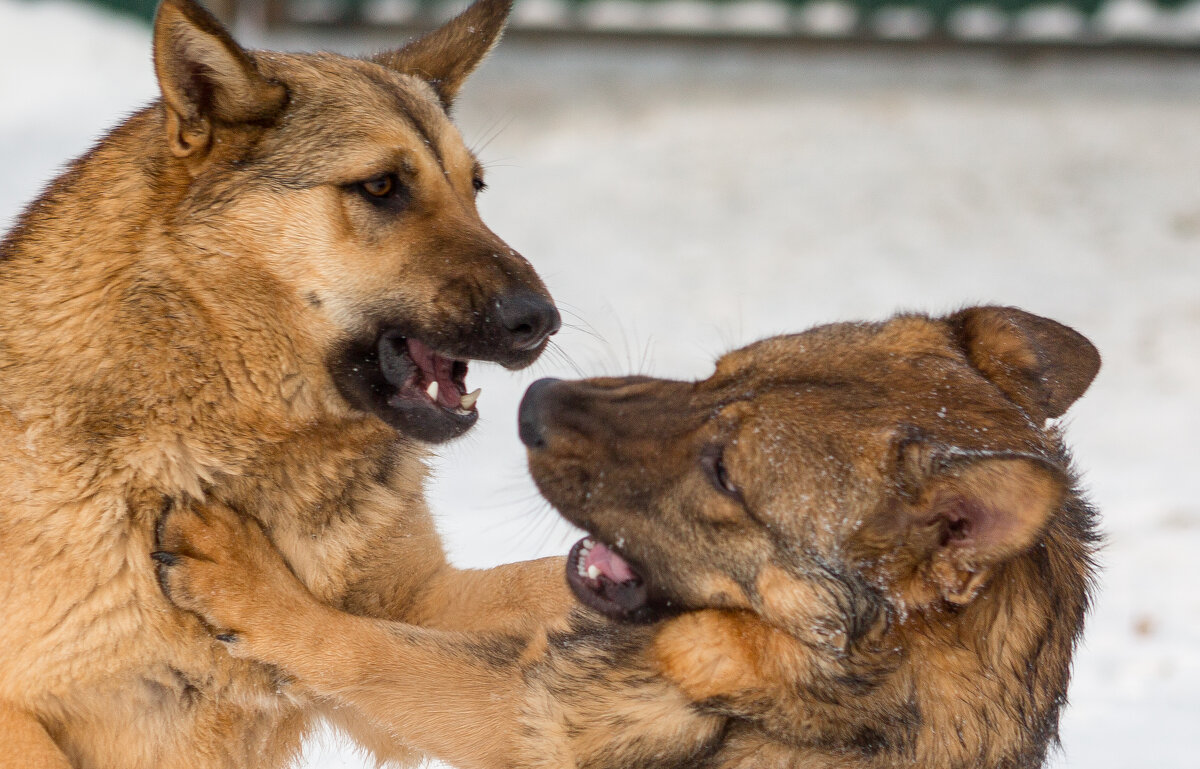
x=977 y=510
x=205 y=77
x=447 y=55
x=1042 y=365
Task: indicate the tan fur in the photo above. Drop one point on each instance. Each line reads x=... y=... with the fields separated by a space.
x=171 y=307
x=860 y=550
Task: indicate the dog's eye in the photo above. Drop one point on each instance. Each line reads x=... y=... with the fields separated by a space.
x=713 y=462
x=479 y=184
x=382 y=186
x=385 y=191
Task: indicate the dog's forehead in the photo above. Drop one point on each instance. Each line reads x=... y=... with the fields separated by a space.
x=847 y=391
x=844 y=352
x=377 y=110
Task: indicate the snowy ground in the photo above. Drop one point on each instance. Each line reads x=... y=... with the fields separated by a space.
x=681 y=201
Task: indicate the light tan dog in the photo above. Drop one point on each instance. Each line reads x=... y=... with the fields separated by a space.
x=263 y=289
x=858 y=547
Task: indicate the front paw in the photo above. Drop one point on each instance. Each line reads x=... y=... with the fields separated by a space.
x=220 y=566
x=728 y=655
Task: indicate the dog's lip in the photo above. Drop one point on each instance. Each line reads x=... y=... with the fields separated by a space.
x=420 y=374
x=605 y=581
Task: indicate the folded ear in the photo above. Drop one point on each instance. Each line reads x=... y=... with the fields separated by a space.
x=206 y=77
x=975 y=511
x=1042 y=365
x=447 y=55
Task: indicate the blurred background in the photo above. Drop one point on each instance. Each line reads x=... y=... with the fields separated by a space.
x=690 y=175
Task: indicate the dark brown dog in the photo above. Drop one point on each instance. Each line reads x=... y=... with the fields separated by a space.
x=860 y=546
x=263 y=289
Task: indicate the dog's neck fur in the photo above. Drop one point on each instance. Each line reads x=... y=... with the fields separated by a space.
x=910 y=709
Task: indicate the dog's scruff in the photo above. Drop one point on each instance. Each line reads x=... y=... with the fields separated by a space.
x=262 y=289
x=859 y=546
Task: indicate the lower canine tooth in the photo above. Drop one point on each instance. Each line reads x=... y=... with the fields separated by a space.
x=432 y=390
x=469 y=399
x=593 y=572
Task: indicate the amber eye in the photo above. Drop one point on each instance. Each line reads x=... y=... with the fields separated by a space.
x=712 y=459
x=382 y=186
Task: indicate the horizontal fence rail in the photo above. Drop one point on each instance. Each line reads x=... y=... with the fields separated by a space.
x=1174 y=23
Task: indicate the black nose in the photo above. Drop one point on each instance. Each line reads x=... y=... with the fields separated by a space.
x=531 y=425
x=528 y=318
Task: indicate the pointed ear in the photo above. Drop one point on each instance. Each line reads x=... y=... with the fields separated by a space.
x=446 y=56
x=976 y=511
x=1042 y=365
x=205 y=77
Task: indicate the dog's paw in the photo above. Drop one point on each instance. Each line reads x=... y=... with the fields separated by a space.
x=221 y=566
x=727 y=655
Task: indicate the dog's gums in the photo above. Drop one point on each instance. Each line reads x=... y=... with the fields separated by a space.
x=419 y=373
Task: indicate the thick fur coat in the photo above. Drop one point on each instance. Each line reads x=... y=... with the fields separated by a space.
x=250 y=291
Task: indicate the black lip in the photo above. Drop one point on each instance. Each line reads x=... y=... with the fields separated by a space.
x=630 y=602
x=358 y=373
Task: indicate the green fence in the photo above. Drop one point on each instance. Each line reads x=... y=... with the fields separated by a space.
x=1165 y=21
x=141 y=8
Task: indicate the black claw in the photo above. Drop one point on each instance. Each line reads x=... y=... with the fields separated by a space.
x=228 y=638
x=165 y=558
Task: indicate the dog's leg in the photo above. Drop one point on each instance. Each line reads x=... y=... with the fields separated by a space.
x=24 y=743
x=430 y=689
x=480 y=701
x=516 y=598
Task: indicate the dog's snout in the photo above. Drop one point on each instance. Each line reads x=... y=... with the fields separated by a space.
x=528 y=318
x=531 y=416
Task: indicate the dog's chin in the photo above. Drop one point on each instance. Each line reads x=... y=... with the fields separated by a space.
x=416 y=389
x=603 y=580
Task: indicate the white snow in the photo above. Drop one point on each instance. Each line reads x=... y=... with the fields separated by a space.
x=683 y=200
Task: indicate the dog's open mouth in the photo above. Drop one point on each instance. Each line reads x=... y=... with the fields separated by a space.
x=422 y=376
x=603 y=580
x=407 y=383
x=422 y=391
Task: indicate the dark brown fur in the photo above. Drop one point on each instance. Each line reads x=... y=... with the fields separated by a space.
x=175 y=309
x=864 y=547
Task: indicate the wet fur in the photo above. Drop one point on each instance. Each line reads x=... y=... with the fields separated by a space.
x=891 y=569
x=172 y=303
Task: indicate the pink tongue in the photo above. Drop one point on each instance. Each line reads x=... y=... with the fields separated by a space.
x=609 y=563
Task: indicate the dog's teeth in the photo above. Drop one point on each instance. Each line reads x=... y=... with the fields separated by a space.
x=588 y=544
x=593 y=571
x=432 y=390
x=469 y=399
